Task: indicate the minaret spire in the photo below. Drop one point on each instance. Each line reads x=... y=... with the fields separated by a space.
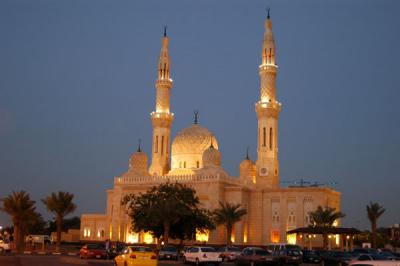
x=139 y=149
x=267 y=109
x=196 y=117
x=162 y=118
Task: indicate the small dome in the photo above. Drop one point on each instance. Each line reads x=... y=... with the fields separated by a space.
x=211 y=157
x=189 y=145
x=138 y=161
x=247 y=168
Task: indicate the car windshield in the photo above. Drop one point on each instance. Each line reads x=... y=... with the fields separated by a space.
x=342 y=254
x=233 y=249
x=171 y=249
x=141 y=249
x=294 y=252
x=208 y=249
x=309 y=252
x=261 y=252
x=378 y=257
x=96 y=246
x=291 y=247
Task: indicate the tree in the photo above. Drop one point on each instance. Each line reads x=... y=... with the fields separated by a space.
x=36 y=225
x=228 y=214
x=199 y=220
x=71 y=223
x=167 y=210
x=324 y=219
x=374 y=211
x=22 y=210
x=61 y=205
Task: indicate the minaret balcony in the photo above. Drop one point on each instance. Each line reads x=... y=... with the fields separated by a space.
x=164 y=82
x=268 y=67
x=270 y=108
x=161 y=119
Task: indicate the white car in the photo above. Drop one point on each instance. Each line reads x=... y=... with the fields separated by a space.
x=198 y=255
x=4 y=246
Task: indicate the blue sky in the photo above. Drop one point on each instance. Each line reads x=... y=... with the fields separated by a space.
x=77 y=87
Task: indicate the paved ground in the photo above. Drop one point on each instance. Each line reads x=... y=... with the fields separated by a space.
x=48 y=260
x=51 y=260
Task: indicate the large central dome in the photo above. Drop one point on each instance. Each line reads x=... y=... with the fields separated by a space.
x=188 y=147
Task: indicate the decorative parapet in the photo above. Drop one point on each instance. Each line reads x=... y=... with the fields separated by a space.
x=176 y=178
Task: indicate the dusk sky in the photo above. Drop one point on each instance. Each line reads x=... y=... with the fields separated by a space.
x=77 y=88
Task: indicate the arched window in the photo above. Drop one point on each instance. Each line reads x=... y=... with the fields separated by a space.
x=156 y=145
x=162 y=144
x=198 y=164
x=184 y=164
x=166 y=146
x=270 y=138
x=264 y=137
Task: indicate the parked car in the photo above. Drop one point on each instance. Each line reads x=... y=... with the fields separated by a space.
x=93 y=251
x=286 y=253
x=200 y=255
x=168 y=253
x=375 y=263
x=183 y=250
x=390 y=255
x=311 y=256
x=365 y=257
x=358 y=251
x=4 y=246
x=229 y=253
x=337 y=258
x=255 y=256
x=136 y=255
x=38 y=239
x=116 y=249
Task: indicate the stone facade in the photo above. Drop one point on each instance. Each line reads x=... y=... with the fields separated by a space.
x=196 y=161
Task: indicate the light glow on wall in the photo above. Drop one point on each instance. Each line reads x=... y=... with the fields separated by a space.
x=110 y=231
x=275 y=238
x=233 y=238
x=202 y=237
x=291 y=239
x=147 y=238
x=132 y=238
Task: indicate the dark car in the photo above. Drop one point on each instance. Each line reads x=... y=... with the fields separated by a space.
x=365 y=257
x=390 y=255
x=116 y=249
x=93 y=251
x=358 y=251
x=229 y=253
x=337 y=258
x=311 y=256
x=254 y=256
x=168 y=253
x=286 y=253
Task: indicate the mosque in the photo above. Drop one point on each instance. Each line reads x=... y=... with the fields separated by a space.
x=194 y=159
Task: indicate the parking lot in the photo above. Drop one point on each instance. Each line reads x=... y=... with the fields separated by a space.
x=51 y=260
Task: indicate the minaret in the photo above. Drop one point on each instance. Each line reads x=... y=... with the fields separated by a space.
x=267 y=109
x=162 y=118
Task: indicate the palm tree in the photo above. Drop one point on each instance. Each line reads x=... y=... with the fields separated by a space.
x=324 y=219
x=228 y=214
x=21 y=209
x=374 y=211
x=61 y=205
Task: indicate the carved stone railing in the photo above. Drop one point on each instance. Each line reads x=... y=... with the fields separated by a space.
x=175 y=178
